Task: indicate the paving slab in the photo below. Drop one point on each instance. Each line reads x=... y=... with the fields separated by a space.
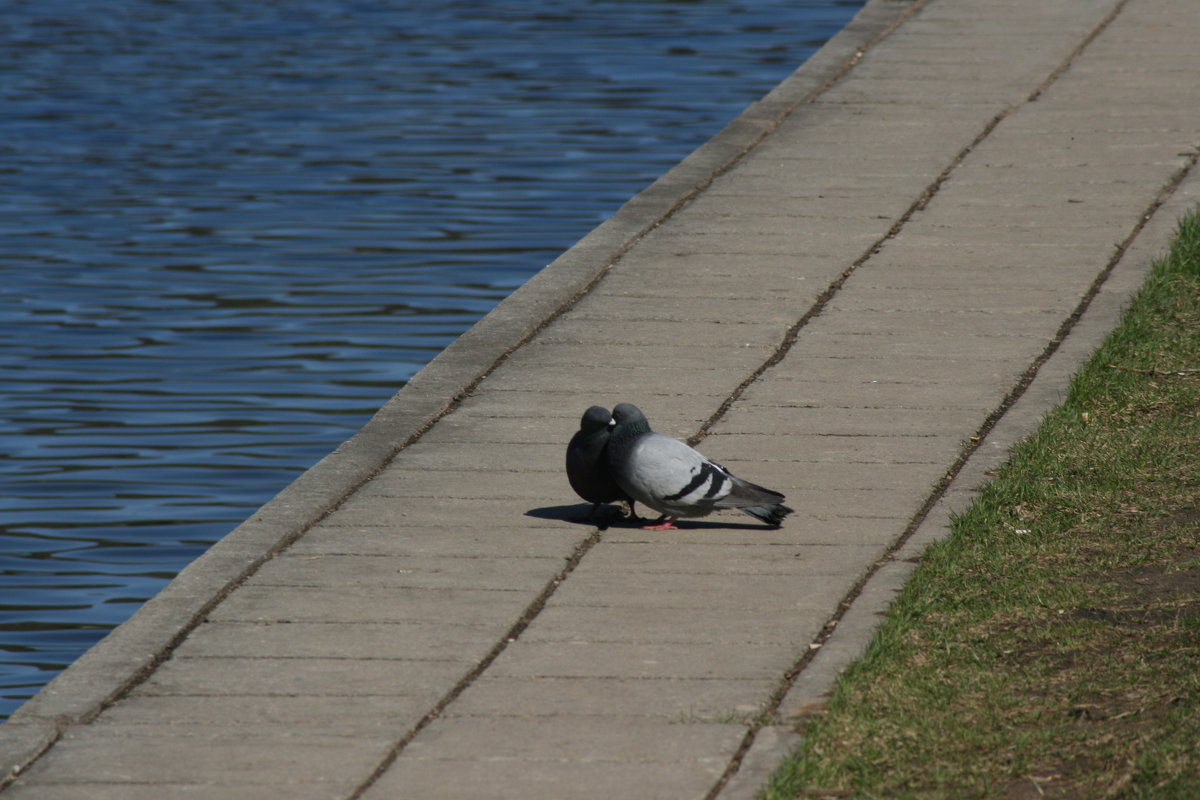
x=583 y=779
x=670 y=700
x=332 y=640
x=862 y=292
x=333 y=715
x=215 y=756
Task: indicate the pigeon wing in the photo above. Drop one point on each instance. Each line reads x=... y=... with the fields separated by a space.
x=675 y=479
x=587 y=468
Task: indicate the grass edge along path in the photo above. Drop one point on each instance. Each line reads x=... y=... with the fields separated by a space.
x=1050 y=646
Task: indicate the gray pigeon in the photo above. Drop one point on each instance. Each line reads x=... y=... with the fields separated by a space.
x=674 y=479
x=587 y=461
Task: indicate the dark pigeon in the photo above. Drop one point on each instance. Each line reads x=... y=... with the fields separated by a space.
x=587 y=462
x=675 y=480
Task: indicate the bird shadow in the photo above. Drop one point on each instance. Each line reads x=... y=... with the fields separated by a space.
x=578 y=514
x=611 y=517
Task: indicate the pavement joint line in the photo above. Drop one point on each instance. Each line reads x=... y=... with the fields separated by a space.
x=943 y=485
x=1087 y=41
x=940 y=489
x=682 y=201
x=531 y=612
x=972 y=445
x=822 y=301
x=878 y=572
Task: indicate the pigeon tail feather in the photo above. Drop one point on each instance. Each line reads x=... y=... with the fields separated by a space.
x=746 y=493
x=772 y=514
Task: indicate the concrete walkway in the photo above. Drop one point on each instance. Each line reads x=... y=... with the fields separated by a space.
x=845 y=296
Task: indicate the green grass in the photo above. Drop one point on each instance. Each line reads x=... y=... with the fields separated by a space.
x=1050 y=646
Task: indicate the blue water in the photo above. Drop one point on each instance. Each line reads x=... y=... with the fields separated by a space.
x=232 y=230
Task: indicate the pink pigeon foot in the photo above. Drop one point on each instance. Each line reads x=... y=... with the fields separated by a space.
x=666 y=525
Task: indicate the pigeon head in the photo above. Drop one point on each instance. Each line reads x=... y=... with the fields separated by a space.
x=627 y=412
x=629 y=418
x=594 y=419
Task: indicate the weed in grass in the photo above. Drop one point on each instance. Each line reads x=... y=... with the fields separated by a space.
x=1049 y=647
